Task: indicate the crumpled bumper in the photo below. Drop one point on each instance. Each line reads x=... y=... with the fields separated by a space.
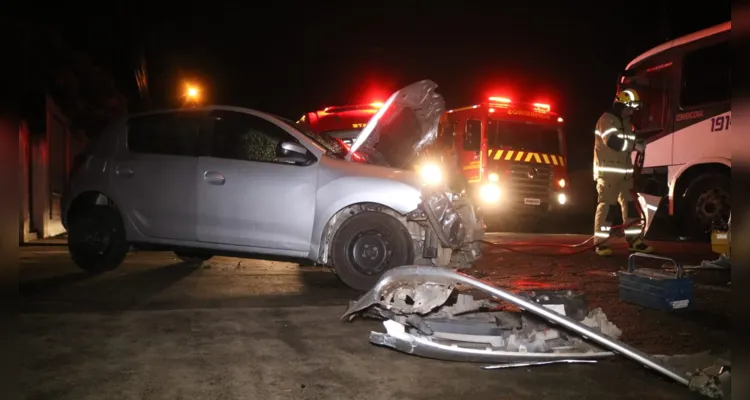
x=405 y=295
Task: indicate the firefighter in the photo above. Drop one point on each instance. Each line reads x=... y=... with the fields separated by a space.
x=614 y=143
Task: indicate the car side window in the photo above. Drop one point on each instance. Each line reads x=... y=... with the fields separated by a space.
x=174 y=133
x=239 y=136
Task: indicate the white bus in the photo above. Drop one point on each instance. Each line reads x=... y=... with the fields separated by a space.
x=686 y=119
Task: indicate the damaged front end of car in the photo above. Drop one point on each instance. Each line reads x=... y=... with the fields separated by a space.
x=445 y=228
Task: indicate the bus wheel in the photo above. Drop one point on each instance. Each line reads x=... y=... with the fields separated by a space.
x=706 y=201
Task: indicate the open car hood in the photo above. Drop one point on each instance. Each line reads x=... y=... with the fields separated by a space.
x=403 y=127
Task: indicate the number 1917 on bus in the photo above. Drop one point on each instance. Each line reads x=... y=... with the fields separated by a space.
x=720 y=123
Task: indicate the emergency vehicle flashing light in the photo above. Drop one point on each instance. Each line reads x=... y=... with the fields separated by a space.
x=500 y=99
x=504 y=102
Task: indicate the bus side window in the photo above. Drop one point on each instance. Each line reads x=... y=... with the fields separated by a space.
x=473 y=135
x=706 y=76
x=445 y=135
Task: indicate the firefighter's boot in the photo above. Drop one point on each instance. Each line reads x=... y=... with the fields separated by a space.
x=638 y=245
x=603 y=250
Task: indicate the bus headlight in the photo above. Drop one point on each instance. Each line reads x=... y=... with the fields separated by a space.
x=562 y=198
x=431 y=174
x=490 y=193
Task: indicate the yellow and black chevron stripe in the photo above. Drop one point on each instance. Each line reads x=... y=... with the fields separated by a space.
x=528 y=156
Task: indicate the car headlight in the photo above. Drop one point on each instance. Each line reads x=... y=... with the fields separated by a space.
x=431 y=174
x=489 y=193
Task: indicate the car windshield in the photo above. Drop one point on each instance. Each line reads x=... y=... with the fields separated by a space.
x=331 y=145
x=525 y=136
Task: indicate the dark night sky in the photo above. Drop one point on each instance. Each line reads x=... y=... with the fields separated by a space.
x=290 y=59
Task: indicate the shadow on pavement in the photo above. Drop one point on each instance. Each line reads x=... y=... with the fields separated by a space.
x=102 y=292
x=182 y=286
x=48 y=285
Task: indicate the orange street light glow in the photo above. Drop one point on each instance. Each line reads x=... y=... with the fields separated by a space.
x=192 y=92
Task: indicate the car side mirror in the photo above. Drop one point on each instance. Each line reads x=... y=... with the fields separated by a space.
x=293 y=153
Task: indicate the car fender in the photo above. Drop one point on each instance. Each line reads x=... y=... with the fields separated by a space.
x=344 y=192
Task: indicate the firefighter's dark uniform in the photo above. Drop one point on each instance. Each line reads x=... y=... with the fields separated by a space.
x=613 y=172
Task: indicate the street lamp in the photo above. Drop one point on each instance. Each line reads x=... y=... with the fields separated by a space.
x=192 y=93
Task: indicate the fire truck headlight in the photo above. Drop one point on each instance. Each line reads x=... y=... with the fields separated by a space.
x=562 y=198
x=562 y=183
x=431 y=174
x=493 y=177
x=490 y=193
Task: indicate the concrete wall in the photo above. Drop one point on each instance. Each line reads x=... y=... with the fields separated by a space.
x=45 y=158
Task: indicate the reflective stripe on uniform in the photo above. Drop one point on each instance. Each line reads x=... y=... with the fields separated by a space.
x=633 y=231
x=607 y=132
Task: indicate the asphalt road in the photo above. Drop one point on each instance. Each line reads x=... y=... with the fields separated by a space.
x=247 y=329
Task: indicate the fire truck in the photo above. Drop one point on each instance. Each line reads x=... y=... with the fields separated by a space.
x=341 y=122
x=512 y=154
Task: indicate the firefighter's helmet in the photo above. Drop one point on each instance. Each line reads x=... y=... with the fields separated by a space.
x=629 y=97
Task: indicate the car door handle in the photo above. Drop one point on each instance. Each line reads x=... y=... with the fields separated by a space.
x=214 y=178
x=124 y=172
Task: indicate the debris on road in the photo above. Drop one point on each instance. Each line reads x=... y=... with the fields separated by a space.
x=427 y=312
x=533 y=364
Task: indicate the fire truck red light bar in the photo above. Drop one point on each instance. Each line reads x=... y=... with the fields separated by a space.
x=500 y=99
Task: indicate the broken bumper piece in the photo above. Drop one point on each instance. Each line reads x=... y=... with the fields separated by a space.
x=423 y=318
x=398 y=338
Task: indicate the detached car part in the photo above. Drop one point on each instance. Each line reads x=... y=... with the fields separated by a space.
x=441 y=282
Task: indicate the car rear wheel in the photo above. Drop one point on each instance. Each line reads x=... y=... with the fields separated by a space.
x=191 y=257
x=96 y=239
x=366 y=246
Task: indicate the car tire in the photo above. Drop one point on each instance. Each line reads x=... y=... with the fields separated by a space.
x=192 y=258
x=706 y=199
x=96 y=239
x=366 y=246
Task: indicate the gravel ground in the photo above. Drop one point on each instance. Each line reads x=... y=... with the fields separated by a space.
x=705 y=327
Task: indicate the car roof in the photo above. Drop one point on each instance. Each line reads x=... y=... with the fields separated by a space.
x=204 y=108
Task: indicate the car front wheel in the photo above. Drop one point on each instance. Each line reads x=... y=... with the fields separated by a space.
x=367 y=245
x=96 y=239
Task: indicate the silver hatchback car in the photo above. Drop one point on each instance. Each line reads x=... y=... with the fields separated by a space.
x=228 y=180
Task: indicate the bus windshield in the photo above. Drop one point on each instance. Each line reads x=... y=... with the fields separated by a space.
x=526 y=136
